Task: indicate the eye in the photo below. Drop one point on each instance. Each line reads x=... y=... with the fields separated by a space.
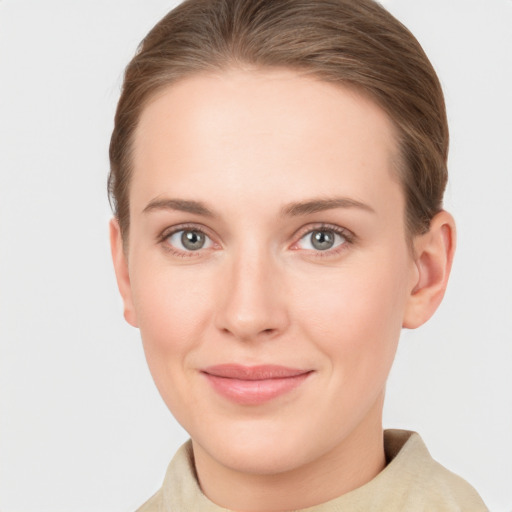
x=188 y=240
x=321 y=240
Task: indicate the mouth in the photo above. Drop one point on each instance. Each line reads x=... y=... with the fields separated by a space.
x=254 y=385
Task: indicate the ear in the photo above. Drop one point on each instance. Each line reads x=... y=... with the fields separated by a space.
x=122 y=273
x=433 y=257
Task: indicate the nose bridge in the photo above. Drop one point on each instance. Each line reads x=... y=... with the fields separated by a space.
x=252 y=302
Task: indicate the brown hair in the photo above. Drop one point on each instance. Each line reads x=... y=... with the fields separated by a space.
x=354 y=43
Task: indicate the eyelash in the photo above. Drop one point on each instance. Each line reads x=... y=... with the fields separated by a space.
x=349 y=237
x=162 y=239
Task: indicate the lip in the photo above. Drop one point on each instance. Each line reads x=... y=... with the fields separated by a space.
x=254 y=385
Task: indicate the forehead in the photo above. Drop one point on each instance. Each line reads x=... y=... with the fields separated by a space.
x=262 y=129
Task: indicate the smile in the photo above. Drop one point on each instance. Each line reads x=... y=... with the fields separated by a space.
x=254 y=385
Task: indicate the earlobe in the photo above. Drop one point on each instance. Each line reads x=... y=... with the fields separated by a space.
x=122 y=274
x=433 y=259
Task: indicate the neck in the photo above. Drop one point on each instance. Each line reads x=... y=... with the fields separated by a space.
x=351 y=464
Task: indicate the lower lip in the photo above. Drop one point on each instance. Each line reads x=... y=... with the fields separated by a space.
x=254 y=392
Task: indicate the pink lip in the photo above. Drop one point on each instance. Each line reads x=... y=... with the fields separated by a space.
x=253 y=385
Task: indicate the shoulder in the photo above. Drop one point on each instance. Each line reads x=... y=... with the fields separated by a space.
x=180 y=489
x=421 y=482
x=154 y=504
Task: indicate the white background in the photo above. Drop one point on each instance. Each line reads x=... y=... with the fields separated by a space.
x=82 y=428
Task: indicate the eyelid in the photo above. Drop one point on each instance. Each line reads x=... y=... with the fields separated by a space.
x=349 y=236
x=187 y=226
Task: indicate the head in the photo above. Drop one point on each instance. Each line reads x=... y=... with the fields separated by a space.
x=277 y=178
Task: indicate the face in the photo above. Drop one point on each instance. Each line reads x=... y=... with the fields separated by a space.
x=267 y=266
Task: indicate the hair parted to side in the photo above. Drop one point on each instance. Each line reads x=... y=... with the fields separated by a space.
x=352 y=43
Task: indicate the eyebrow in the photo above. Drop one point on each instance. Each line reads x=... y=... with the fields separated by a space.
x=295 y=209
x=182 y=205
x=320 y=205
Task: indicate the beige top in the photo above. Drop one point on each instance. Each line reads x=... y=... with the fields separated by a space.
x=412 y=481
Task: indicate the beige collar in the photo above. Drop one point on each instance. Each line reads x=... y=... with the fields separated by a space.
x=412 y=481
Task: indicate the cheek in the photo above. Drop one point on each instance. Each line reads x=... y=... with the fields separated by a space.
x=172 y=307
x=355 y=317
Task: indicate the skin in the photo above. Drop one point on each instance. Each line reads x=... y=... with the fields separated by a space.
x=249 y=146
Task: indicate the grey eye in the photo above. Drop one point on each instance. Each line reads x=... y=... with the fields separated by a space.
x=192 y=240
x=189 y=240
x=321 y=240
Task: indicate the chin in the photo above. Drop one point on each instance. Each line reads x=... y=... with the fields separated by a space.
x=257 y=460
x=262 y=448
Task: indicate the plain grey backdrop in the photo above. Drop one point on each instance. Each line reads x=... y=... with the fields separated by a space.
x=82 y=428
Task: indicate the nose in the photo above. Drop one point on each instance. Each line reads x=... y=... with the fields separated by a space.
x=252 y=303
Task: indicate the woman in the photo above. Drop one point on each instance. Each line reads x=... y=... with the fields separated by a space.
x=277 y=173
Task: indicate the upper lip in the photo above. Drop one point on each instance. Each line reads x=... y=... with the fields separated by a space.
x=259 y=372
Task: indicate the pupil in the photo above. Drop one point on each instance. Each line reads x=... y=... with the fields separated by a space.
x=192 y=240
x=322 y=240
